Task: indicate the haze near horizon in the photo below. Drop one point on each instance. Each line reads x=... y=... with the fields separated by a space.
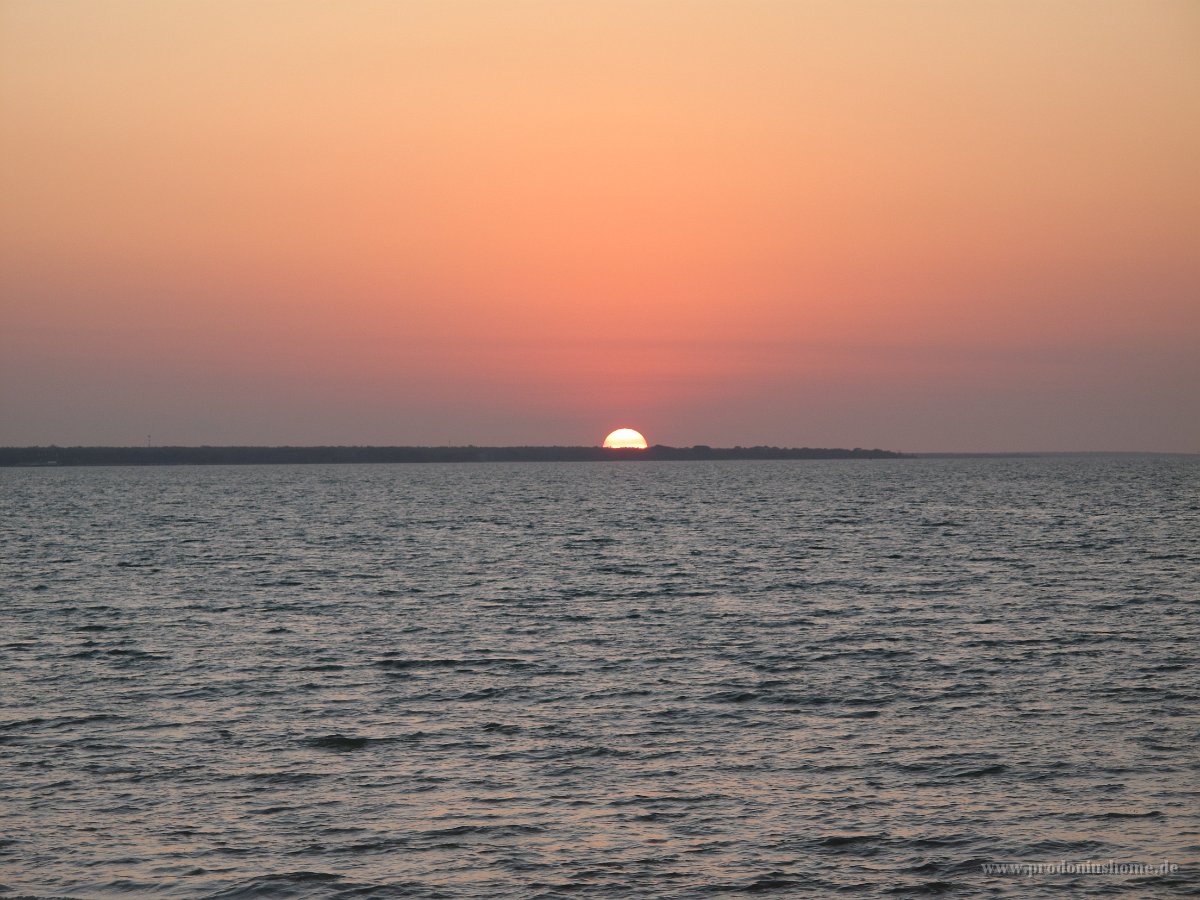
x=934 y=226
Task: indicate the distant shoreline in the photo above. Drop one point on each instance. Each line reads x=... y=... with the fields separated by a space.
x=208 y=456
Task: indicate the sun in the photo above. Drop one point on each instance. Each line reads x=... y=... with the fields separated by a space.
x=625 y=439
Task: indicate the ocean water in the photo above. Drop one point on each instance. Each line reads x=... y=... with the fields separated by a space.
x=600 y=679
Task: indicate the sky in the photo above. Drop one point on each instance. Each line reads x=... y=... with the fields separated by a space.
x=918 y=226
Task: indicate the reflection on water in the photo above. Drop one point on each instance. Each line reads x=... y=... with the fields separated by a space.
x=598 y=679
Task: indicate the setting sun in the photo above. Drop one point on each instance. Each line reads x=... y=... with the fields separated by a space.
x=625 y=439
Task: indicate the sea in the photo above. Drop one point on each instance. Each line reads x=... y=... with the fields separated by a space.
x=971 y=677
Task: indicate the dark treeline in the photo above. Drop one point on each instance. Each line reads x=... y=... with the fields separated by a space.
x=201 y=456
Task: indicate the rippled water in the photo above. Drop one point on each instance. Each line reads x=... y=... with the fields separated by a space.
x=659 y=679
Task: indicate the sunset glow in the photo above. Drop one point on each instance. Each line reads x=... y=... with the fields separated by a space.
x=935 y=225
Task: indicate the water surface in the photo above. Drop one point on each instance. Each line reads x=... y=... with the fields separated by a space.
x=611 y=680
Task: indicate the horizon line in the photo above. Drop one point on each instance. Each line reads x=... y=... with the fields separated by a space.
x=315 y=446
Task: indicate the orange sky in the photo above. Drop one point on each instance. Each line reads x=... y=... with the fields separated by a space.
x=922 y=226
